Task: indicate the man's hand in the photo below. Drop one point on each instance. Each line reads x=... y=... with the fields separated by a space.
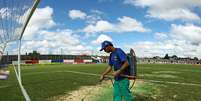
x=107 y=70
x=102 y=77
x=116 y=73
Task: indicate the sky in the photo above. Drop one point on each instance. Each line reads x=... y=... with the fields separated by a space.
x=150 y=27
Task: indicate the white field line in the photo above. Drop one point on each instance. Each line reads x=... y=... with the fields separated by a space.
x=155 y=81
x=177 y=83
x=4 y=86
x=83 y=73
x=93 y=74
x=76 y=72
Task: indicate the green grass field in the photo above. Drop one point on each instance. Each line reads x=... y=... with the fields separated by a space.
x=160 y=82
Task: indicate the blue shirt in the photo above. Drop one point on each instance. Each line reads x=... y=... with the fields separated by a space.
x=116 y=60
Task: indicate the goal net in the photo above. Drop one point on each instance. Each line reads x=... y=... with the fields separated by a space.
x=14 y=17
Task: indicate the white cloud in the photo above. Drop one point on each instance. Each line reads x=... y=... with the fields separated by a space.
x=91 y=18
x=97 y=12
x=39 y=37
x=101 y=26
x=161 y=36
x=56 y=42
x=76 y=14
x=5 y=12
x=41 y=19
x=128 y=24
x=172 y=47
x=182 y=40
x=169 y=9
x=94 y=16
x=125 y=24
x=173 y=14
x=101 y=38
x=188 y=32
x=63 y=36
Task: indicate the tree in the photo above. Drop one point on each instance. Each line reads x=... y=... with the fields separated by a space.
x=156 y=57
x=34 y=55
x=195 y=58
x=174 y=57
x=166 y=56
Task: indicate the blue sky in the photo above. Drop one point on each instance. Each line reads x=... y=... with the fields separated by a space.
x=151 y=27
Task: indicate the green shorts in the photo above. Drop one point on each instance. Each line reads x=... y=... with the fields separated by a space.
x=121 y=91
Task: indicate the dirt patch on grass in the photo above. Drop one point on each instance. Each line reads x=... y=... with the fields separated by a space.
x=87 y=93
x=84 y=93
x=199 y=65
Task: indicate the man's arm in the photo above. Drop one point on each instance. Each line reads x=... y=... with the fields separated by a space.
x=123 y=67
x=107 y=70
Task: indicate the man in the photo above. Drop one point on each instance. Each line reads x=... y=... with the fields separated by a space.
x=118 y=62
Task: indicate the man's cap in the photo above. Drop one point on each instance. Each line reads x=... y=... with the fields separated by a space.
x=104 y=44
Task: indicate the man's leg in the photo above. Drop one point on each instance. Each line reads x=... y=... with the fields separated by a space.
x=125 y=91
x=116 y=92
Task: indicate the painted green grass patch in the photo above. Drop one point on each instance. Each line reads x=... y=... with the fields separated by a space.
x=176 y=92
x=145 y=92
x=183 y=73
x=104 y=95
x=174 y=82
x=141 y=92
x=164 y=82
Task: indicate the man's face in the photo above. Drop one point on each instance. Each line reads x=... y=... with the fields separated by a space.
x=107 y=49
